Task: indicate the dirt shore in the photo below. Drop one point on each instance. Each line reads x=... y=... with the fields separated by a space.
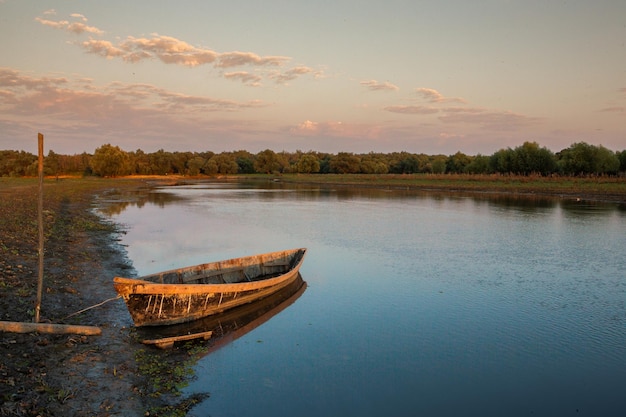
x=71 y=375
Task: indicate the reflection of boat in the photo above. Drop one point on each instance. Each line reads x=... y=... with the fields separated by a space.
x=190 y=293
x=228 y=326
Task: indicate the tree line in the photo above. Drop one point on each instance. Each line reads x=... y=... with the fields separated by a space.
x=579 y=159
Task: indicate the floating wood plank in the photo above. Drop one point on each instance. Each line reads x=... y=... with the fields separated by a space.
x=168 y=342
x=25 y=327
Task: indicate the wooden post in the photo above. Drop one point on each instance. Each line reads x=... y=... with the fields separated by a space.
x=40 y=221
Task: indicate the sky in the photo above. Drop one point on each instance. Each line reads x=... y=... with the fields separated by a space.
x=421 y=76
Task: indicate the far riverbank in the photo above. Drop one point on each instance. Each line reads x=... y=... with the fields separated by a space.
x=607 y=189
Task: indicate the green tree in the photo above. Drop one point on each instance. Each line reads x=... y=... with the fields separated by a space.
x=605 y=161
x=501 y=161
x=407 y=163
x=324 y=159
x=245 y=161
x=345 y=163
x=438 y=164
x=71 y=164
x=289 y=161
x=622 y=160
x=223 y=163
x=161 y=162
x=308 y=164
x=52 y=163
x=576 y=160
x=17 y=164
x=179 y=162
x=195 y=165
x=267 y=162
x=457 y=163
x=373 y=164
x=140 y=162
x=110 y=161
x=479 y=165
x=584 y=159
x=530 y=158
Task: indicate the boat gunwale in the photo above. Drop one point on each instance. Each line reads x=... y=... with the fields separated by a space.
x=128 y=286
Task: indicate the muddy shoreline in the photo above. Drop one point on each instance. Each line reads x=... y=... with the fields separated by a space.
x=62 y=375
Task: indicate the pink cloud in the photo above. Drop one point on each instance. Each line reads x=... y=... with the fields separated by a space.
x=245 y=77
x=236 y=59
x=435 y=96
x=171 y=50
x=463 y=110
x=374 y=85
x=616 y=109
x=445 y=136
x=291 y=74
x=78 y=16
x=166 y=48
x=73 y=27
x=10 y=78
x=77 y=115
x=7 y=98
x=103 y=48
x=69 y=100
x=421 y=110
x=492 y=120
x=336 y=129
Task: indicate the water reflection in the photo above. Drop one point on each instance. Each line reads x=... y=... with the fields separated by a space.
x=233 y=324
x=418 y=303
x=115 y=202
x=592 y=208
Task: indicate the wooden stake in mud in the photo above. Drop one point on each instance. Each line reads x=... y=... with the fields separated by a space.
x=17 y=327
x=40 y=221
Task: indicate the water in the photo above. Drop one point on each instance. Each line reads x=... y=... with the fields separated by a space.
x=416 y=304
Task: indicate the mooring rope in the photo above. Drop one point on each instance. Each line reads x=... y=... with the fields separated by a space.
x=89 y=308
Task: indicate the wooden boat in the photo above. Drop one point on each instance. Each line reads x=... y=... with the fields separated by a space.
x=190 y=293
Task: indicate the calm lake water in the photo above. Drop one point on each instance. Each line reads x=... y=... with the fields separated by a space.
x=415 y=304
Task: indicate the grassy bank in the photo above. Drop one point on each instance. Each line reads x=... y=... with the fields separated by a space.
x=599 y=188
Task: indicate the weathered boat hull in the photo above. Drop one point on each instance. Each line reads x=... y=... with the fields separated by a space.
x=191 y=293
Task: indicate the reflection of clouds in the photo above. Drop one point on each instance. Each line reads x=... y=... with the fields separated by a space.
x=158 y=240
x=197 y=231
